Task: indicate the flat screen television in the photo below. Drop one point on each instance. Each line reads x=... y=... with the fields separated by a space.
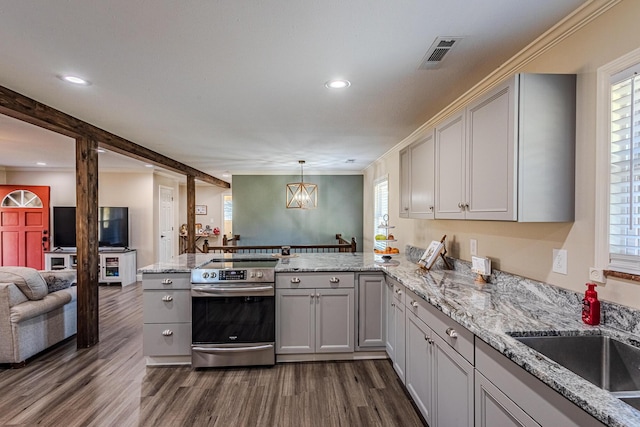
x=113 y=227
x=64 y=226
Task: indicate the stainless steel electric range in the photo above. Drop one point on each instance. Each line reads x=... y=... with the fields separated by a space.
x=233 y=313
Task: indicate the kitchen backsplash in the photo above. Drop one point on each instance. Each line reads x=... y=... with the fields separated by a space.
x=527 y=290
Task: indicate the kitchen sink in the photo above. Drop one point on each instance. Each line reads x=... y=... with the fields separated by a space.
x=609 y=364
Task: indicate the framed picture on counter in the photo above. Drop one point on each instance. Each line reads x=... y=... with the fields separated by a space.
x=201 y=209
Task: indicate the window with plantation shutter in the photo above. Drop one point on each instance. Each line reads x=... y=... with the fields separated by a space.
x=624 y=180
x=381 y=206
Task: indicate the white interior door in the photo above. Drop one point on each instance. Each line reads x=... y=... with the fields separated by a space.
x=165 y=246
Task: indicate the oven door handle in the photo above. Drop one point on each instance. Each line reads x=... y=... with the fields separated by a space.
x=218 y=291
x=232 y=349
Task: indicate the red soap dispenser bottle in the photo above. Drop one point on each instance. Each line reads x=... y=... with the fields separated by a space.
x=591 y=306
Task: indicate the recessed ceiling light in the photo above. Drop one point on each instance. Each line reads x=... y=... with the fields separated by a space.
x=226 y=175
x=75 y=80
x=41 y=164
x=351 y=160
x=101 y=150
x=148 y=165
x=337 y=84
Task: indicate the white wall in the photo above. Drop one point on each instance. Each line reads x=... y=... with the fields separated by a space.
x=526 y=249
x=134 y=190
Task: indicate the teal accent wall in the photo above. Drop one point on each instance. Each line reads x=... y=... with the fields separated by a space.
x=261 y=218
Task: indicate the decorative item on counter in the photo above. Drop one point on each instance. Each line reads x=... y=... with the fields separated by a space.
x=183 y=230
x=207 y=230
x=432 y=252
x=285 y=250
x=591 y=306
x=205 y=246
x=216 y=231
x=482 y=267
x=199 y=229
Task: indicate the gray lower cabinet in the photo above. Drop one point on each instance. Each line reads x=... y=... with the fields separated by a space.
x=500 y=377
x=316 y=319
x=494 y=408
x=439 y=365
x=395 y=340
x=419 y=365
x=371 y=311
x=166 y=313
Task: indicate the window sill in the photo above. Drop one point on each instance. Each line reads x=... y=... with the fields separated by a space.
x=621 y=275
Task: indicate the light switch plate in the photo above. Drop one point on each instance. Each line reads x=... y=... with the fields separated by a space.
x=473 y=246
x=560 y=261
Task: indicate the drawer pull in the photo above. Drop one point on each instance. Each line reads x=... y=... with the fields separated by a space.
x=295 y=280
x=167 y=298
x=414 y=304
x=166 y=281
x=452 y=333
x=427 y=339
x=398 y=291
x=167 y=332
x=334 y=280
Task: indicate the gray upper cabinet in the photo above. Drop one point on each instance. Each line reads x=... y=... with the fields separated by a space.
x=510 y=155
x=417 y=179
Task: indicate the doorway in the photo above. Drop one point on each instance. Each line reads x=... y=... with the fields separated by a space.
x=165 y=244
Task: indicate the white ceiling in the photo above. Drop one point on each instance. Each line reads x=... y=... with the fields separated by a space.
x=231 y=85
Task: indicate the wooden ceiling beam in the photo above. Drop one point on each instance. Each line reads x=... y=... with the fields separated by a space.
x=26 y=109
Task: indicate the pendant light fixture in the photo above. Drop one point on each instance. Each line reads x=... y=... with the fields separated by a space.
x=302 y=195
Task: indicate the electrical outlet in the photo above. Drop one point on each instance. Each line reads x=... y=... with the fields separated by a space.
x=473 y=246
x=596 y=275
x=560 y=261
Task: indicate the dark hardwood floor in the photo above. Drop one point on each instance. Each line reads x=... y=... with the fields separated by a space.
x=109 y=385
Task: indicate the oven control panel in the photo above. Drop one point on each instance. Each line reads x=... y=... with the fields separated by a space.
x=233 y=274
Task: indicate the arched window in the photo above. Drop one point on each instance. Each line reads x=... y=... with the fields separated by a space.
x=21 y=199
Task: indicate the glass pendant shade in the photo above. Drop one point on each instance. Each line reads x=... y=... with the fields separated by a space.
x=302 y=195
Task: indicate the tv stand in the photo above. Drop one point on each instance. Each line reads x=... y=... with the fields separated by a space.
x=116 y=265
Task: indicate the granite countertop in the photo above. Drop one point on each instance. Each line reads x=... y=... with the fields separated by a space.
x=507 y=306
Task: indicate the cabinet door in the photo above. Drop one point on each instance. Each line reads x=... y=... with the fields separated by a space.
x=390 y=315
x=405 y=183
x=450 y=168
x=419 y=367
x=494 y=408
x=491 y=189
x=295 y=320
x=453 y=387
x=399 y=333
x=371 y=310
x=422 y=158
x=334 y=321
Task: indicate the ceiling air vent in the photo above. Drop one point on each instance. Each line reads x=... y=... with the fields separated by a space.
x=438 y=50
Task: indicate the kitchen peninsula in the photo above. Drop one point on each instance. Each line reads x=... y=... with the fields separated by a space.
x=473 y=327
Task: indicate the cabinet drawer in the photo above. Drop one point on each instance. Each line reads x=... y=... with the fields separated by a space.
x=167 y=339
x=399 y=291
x=166 y=306
x=166 y=281
x=314 y=280
x=442 y=325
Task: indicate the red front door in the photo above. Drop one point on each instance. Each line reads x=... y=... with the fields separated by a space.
x=24 y=225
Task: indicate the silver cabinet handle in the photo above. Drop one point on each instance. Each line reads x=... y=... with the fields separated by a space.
x=311 y=296
x=166 y=281
x=167 y=332
x=393 y=304
x=428 y=340
x=431 y=208
x=167 y=298
x=334 y=280
x=414 y=304
x=232 y=349
x=295 y=280
x=451 y=332
x=317 y=295
x=398 y=291
x=466 y=206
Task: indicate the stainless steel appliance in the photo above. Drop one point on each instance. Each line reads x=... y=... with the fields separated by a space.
x=233 y=313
